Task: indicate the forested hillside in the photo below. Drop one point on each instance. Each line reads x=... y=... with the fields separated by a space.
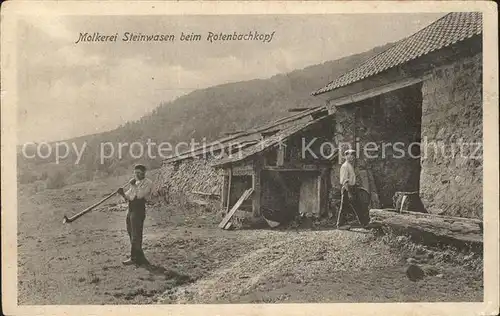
x=205 y=113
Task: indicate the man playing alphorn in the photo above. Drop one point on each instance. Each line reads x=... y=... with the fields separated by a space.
x=136 y=195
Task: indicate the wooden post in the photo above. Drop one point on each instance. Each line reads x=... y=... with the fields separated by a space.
x=318 y=196
x=280 y=160
x=229 y=183
x=354 y=135
x=257 y=168
x=223 y=196
x=323 y=190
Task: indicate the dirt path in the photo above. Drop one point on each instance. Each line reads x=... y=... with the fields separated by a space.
x=194 y=262
x=323 y=266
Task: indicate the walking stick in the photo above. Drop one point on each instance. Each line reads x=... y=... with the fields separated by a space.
x=90 y=208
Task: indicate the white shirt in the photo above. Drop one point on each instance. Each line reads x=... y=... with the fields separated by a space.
x=347 y=174
x=141 y=189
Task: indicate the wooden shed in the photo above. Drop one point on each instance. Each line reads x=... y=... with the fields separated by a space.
x=285 y=179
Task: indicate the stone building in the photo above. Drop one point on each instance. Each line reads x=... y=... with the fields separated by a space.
x=413 y=111
x=425 y=89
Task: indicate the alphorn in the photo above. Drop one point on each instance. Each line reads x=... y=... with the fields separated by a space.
x=88 y=209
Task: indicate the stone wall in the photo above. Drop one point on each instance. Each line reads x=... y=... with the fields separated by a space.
x=452 y=114
x=390 y=123
x=177 y=182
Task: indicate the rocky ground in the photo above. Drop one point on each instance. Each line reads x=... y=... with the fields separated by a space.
x=195 y=262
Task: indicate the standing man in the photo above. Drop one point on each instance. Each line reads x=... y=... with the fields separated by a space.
x=349 y=189
x=137 y=195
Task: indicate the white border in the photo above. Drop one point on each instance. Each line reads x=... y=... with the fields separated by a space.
x=13 y=9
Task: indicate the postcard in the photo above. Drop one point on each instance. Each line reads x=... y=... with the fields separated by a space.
x=250 y=158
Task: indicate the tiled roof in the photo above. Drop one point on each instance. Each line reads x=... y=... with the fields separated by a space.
x=450 y=29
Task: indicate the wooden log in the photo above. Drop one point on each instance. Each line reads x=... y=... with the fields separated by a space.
x=432 y=229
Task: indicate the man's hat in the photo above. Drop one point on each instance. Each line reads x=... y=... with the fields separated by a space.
x=140 y=167
x=349 y=151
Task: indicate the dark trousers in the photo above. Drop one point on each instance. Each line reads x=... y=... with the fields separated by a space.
x=135 y=223
x=353 y=204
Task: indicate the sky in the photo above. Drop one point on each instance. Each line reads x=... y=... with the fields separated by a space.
x=68 y=89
